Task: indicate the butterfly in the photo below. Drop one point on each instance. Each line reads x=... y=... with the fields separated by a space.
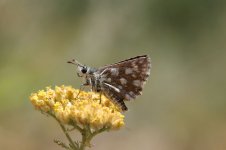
x=121 y=81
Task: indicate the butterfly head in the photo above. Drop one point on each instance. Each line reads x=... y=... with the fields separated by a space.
x=82 y=70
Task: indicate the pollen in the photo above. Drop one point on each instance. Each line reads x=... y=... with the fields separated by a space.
x=69 y=105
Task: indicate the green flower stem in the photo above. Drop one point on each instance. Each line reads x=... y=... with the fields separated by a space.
x=100 y=131
x=75 y=126
x=72 y=144
x=68 y=137
x=86 y=133
x=87 y=136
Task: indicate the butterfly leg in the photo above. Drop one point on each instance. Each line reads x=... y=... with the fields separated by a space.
x=82 y=86
x=100 y=97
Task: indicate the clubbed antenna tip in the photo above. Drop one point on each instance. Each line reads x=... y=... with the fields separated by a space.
x=74 y=62
x=71 y=62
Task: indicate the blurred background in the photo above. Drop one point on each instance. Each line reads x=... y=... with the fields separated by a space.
x=183 y=103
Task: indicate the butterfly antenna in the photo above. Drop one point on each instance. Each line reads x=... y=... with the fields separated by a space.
x=74 y=62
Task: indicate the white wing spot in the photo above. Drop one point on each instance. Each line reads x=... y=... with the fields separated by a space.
x=135 y=67
x=128 y=97
x=137 y=82
x=144 y=70
x=141 y=61
x=128 y=71
x=144 y=83
x=134 y=76
x=120 y=87
x=108 y=79
x=145 y=65
x=134 y=63
x=131 y=93
x=114 y=71
x=148 y=72
x=123 y=81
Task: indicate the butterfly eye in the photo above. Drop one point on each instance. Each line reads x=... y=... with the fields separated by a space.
x=84 y=70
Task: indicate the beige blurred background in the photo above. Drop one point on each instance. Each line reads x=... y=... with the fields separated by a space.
x=183 y=104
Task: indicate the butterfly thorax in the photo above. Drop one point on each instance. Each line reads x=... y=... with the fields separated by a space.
x=92 y=79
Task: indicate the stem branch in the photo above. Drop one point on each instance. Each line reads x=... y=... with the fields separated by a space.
x=72 y=144
x=87 y=136
x=86 y=132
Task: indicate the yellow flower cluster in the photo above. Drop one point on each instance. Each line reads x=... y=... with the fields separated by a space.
x=84 y=109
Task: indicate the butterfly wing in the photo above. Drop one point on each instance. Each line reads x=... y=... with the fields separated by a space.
x=125 y=80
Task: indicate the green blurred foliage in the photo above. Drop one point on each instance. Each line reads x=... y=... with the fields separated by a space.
x=183 y=104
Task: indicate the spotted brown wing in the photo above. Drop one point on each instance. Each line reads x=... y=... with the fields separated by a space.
x=125 y=80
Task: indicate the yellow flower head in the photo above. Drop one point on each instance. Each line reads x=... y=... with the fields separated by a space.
x=84 y=109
